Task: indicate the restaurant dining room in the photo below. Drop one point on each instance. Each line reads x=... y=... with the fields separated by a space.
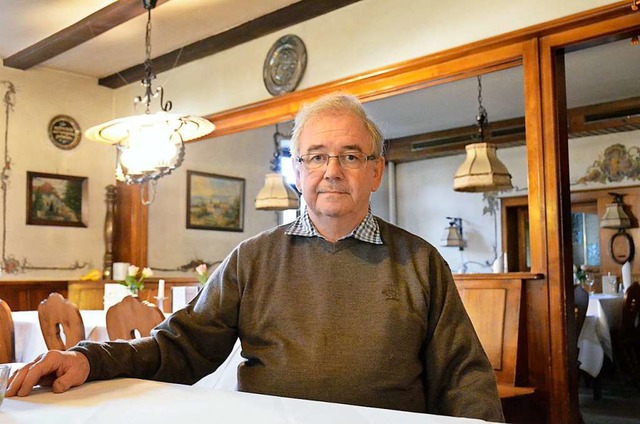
x=147 y=143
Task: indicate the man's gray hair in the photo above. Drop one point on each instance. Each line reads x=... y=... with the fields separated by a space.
x=336 y=104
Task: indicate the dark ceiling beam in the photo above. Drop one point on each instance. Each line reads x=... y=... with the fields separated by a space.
x=93 y=25
x=602 y=118
x=267 y=24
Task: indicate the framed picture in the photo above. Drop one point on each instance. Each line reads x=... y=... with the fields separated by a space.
x=54 y=199
x=215 y=202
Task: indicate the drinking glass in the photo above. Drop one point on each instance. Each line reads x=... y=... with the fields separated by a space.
x=5 y=371
x=590 y=281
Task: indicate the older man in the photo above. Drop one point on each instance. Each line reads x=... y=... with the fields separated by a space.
x=339 y=306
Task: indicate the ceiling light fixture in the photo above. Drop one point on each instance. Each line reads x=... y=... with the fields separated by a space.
x=149 y=146
x=481 y=170
x=276 y=195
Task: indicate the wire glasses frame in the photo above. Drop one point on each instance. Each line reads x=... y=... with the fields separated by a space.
x=355 y=160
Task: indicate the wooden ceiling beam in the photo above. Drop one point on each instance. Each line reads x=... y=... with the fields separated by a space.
x=602 y=118
x=264 y=25
x=93 y=25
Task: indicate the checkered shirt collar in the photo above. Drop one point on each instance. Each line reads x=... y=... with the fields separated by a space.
x=368 y=230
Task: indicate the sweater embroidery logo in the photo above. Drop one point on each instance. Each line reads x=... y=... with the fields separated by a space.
x=391 y=293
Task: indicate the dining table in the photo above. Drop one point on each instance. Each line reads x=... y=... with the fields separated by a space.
x=129 y=400
x=604 y=316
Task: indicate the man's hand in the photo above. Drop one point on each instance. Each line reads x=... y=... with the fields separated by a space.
x=58 y=369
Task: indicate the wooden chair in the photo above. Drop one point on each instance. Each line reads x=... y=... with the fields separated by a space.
x=59 y=316
x=580 y=305
x=630 y=334
x=7 y=340
x=131 y=318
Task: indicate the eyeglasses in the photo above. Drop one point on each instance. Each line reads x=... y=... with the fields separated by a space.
x=355 y=160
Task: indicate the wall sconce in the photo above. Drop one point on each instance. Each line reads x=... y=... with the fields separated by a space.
x=276 y=195
x=453 y=234
x=481 y=170
x=150 y=146
x=621 y=246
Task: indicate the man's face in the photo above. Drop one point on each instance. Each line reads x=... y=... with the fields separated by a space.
x=332 y=191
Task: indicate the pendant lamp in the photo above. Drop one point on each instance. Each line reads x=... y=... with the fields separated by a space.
x=481 y=170
x=149 y=146
x=276 y=195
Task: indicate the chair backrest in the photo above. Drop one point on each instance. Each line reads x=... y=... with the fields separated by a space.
x=580 y=306
x=59 y=316
x=631 y=311
x=131 y=315
x=7 y=341
x=494 y=308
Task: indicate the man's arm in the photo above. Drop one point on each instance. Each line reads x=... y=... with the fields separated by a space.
x=58 y=369
x=460 y=380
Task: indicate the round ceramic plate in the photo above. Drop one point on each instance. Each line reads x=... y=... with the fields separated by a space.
x=64 y=132
x=284 y=65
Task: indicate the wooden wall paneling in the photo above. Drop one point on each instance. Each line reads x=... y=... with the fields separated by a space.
x=27 y=295
x=131 y=222
x=89 y=295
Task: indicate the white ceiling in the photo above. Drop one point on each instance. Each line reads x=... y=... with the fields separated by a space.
x=594 y=75
x=25 y=22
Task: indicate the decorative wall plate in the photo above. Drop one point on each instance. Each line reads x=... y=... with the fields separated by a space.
x=64 y=132
x=284 y=65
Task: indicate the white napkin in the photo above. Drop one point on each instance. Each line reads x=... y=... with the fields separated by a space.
x=626 y=275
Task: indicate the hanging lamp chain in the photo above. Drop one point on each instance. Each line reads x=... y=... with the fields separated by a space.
x=275 y=161
x=149 y=75
x=482 y=119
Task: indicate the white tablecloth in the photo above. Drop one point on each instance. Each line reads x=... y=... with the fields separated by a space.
x=603 y=315
x=141 y=401
x=28 y=336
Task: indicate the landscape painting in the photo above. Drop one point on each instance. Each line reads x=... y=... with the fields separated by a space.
x=54 y=199
x=215 y=202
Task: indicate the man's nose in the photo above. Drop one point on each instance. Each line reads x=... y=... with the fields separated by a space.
x=334 y=169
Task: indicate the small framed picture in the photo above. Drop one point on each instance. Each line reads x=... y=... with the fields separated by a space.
x=215 y=202
x=54 y=199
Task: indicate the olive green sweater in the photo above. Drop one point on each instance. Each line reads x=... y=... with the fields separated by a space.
x=348 y=322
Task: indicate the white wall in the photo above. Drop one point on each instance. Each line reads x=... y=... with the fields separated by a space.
x=426 y=197
x=245 y=155
x=41 y=95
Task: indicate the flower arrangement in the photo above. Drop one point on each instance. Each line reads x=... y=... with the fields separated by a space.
x=134 y=280
x=201 y=274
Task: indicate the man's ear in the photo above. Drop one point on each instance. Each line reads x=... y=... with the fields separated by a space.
x=296 y=171
x=378 y=173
